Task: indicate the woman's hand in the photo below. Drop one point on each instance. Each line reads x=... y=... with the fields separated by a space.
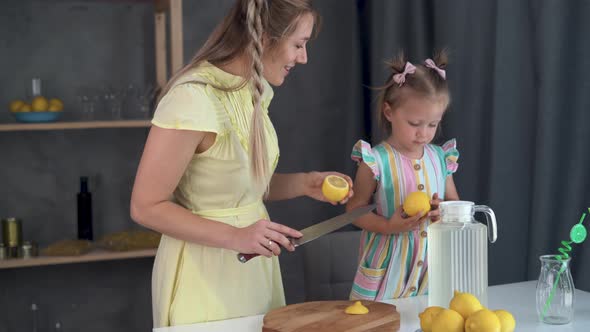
x=313 y=186
x=434 y=213
x=399 y=223
x=265 y=238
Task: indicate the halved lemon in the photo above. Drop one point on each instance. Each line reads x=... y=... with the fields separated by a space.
x=335 y=188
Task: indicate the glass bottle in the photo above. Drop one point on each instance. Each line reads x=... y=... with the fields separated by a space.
x=555 y=291
x=84 y=211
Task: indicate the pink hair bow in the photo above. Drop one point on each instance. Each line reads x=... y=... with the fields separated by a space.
x=401 y=77
x=430 y=64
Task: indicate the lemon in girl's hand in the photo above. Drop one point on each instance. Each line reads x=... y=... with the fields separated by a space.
x=507 y=321
x=416 y=202
x=448 y=320
x=483 y=320
x=427 y=316
x=465 y=304
x=335 y=188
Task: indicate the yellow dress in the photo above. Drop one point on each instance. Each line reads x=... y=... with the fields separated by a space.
x=194 y=283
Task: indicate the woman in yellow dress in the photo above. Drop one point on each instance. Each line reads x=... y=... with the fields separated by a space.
x=209 y=162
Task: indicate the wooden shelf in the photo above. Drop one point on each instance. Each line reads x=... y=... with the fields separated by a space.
x=94 y=256
x=75 y=125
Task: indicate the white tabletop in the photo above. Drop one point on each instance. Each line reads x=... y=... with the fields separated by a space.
x=518 y=298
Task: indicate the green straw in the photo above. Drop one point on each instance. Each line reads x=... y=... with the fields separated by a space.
x=577 y=235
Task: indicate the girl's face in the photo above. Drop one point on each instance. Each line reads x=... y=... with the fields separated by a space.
x=289 y=51
x=414 y=123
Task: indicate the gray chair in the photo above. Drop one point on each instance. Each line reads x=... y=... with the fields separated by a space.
x=330 y=264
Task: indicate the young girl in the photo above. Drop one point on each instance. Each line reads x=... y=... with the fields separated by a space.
x=393 y=246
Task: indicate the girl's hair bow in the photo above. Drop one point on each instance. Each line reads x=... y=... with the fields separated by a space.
x=400 y=78
x=430 y=64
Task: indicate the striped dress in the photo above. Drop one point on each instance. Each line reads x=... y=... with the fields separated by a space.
x=395 y=266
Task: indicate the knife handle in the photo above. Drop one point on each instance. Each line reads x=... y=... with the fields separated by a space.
x=243 y=258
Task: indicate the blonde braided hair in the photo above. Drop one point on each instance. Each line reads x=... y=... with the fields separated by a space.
x=258 y=156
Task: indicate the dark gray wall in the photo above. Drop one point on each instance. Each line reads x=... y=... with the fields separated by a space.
x=75 y=46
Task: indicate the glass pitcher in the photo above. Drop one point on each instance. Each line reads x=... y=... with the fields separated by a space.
x=458 y=252
x=555 y=290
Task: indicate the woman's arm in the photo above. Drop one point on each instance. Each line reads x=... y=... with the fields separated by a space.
x=165 y=157
x=287 y=186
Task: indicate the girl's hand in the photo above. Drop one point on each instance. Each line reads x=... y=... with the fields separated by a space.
x=264 y=237
x=434 y=213
x=313 y=186
x=399 y=223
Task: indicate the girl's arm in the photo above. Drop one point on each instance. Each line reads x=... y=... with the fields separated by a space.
x=450 y=189
x=365 y=184
x=165 y=157
x=287 y=186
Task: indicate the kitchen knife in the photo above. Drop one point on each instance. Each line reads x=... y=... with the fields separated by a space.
x=322 y=228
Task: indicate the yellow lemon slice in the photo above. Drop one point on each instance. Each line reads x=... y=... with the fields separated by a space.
x=427 y=316
x=335 y=188
x=507 y=321
x=356 y=309
x=416 y=202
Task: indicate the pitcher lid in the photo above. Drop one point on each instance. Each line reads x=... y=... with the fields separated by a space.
x=456 y=210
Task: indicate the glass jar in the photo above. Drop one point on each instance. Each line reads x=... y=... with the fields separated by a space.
x=555 y=291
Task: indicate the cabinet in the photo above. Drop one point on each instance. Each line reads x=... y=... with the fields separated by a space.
x=168 y=57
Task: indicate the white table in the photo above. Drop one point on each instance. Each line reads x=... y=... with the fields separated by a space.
x=518 y=298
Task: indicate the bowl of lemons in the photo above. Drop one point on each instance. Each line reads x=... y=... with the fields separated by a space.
x=39 y=109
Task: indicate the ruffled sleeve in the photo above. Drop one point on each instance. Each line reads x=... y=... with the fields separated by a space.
x=451 y=155
x=188 y=106
x=362 y=152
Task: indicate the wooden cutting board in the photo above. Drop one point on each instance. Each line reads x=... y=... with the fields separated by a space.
x=330 y=316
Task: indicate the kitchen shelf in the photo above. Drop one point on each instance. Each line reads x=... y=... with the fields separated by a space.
x=93 y=256
x=74 y=125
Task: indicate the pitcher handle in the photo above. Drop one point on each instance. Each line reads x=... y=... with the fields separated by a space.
x=490 y=216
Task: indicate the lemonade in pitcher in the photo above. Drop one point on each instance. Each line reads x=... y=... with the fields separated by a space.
x=458 y=252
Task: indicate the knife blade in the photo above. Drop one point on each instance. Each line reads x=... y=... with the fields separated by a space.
x=322 y=228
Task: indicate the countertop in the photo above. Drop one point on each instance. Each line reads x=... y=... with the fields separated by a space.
x=518 y=298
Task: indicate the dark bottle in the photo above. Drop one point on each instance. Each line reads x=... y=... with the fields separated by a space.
x=84 y=211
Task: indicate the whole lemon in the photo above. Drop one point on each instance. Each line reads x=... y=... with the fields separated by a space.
x=465 y=304
x=15 y=105
x=55 y=105
x=25 y=108
x=507 y=321
x=427 y=316
x=448 y=320
x=483 y=320
x=416 y=202
x=335 y=188
x=39 y=104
